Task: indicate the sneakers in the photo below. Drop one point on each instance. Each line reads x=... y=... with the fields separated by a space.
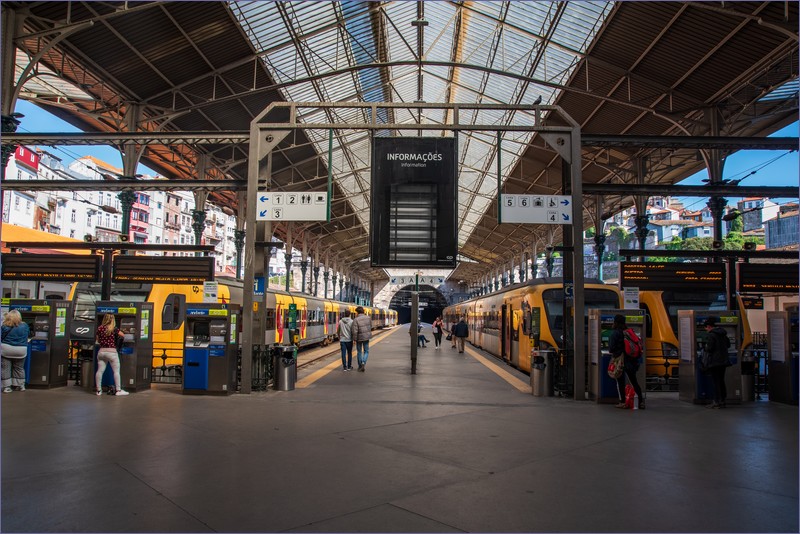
x=641 y=404
x=7 y=390
x=361 y=368
x=349 y=367
x=98 y=392
x=21 y=388
x=620 y=405
x=121 y=392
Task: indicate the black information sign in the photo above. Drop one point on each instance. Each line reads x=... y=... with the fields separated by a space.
x=654 y=276
x=414 y=198
x=753 y=303
x=768 y=277
x=163 y=269
x=51 y=267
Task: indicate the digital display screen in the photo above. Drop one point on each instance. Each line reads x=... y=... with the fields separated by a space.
x=654 y=276
x=51 y=267
x=163 y=269
x=768 y=277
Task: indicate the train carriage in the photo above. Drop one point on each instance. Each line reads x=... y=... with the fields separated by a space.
x=501 y=323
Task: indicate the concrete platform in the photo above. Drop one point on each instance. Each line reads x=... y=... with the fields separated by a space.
x=462 y=446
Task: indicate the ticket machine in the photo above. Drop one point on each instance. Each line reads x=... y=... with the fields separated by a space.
x=694 y=385
x=603 y=388
x=48 y=358
x=210 y=348
x=135 y=321
x=782 y=339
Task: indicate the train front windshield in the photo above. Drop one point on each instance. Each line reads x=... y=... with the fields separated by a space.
x=674 y=301
x=88 y=293
x=592 y=298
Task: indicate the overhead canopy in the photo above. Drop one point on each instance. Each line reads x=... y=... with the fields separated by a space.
x=638 y=68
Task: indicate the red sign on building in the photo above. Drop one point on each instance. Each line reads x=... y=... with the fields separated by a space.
x=28 y=158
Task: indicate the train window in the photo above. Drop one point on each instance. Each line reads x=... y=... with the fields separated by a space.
x=526 y=318
x=270 y=319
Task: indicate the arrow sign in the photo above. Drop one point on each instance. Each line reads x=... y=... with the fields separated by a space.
x=536 y=209
x=294 y=206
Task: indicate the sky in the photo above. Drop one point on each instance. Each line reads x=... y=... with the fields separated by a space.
x=758 y=167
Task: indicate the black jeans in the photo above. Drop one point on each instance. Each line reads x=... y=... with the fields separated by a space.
x=720 y=390
x=630 y=372
x=437 y=339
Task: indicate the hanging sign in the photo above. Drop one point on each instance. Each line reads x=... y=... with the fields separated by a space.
x=306 y=206
x=536 y=209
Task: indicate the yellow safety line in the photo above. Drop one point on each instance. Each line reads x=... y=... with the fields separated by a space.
x=502 y=373
x=319 y=373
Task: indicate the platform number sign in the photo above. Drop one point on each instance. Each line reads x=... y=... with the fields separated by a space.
x=536 y=209
x=307 y=206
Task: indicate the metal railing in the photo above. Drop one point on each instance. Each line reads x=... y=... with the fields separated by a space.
x=167 y=374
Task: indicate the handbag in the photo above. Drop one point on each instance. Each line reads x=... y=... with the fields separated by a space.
x=449 y=337
x=616 y=367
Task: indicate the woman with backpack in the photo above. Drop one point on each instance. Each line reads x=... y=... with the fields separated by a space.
x=616 y=345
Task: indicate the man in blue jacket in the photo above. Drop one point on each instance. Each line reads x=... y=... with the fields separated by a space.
x=460 y=332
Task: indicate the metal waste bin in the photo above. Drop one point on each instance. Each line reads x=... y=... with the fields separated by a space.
x=550 y=365
x=284 y=367
x=748 y=376
x=538 y=372
x=87 y=375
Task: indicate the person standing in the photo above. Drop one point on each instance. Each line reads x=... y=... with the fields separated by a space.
x=616 y=346
x=717 y=344
x=106 y=336
x=343 y=331
x=361 y=333
x=460 y=333
x=437 y=332
x=15 y=335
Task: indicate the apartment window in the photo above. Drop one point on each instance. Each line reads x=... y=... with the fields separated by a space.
x=108 y=220
x=72 y=233
x=73 y=216
x=16 y=202
x=19 y=175
x=158 y=221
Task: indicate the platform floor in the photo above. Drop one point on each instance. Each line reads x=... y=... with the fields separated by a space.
x=458 y=447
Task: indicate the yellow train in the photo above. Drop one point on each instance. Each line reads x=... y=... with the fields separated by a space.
x=661 y=327
x=317 y=317
x=511 y=322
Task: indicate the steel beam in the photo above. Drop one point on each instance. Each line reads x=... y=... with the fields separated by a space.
x=717 y=190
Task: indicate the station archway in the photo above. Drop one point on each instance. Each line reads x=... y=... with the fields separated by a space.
x=431 y=302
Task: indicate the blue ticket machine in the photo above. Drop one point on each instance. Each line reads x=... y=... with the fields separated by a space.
x=48 y=351
x=211 y=343
x=135 y=321
x=783 y=333
x=603 y=388
x=694 y=385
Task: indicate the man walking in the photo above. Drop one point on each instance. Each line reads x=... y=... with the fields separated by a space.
x=460 y=333
x=361 y=332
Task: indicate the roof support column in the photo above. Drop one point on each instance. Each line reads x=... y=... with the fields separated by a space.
x=238 y=236
x=259 y=174
x=315 y=270
x=287 y=253
x=640 y=202
x=715 y=165
x=599 y=234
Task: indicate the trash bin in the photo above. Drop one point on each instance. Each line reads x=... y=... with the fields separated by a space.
x=87 y=375
x=284 y=367
x=748 y=376
x=538 y=371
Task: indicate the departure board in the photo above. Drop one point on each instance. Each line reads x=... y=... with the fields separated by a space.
x=163 y=269
x=51 y=267
x=768 y=277
x=654 y=276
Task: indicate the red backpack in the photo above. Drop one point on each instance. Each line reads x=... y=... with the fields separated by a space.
x=633 y=344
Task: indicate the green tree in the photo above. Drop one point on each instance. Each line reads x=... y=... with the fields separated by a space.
x=737 y=225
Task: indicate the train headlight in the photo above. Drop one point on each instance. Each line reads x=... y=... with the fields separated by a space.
x=669 y=351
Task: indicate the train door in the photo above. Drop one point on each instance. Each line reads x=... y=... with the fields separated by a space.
x=504 y=332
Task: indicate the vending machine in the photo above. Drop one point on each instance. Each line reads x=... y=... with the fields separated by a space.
x=135 y=321
x=693 y=384
x=210 y=349
x=603 y=388
x=48 y=358
x=782 y=341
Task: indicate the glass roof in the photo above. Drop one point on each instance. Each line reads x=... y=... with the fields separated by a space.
x=314 y=48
